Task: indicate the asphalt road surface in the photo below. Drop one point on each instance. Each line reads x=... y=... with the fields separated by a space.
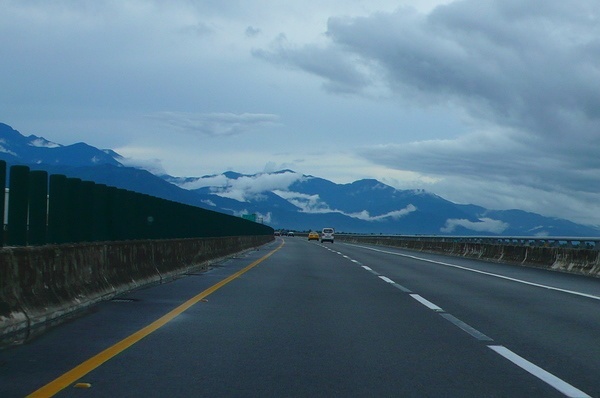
x=305 y=319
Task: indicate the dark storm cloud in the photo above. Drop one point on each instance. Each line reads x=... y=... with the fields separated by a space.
x=336 y=67
x=517 y=64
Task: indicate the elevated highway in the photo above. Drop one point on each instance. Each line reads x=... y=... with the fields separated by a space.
x=299 y=318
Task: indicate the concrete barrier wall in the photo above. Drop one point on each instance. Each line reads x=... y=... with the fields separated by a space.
x=42 y=284
x=573 y=260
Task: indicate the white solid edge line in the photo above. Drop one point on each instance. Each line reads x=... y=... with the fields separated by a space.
x=540 y=373
x=487 y=273
x=426 y=302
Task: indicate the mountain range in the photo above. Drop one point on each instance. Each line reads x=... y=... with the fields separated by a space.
x=286 y=199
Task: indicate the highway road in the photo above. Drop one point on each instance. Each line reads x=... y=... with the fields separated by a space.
x=305 y=319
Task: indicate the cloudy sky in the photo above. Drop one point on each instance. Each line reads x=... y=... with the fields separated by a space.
x=491 y=102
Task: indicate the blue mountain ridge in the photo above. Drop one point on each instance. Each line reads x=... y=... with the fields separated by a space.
x=305 y=203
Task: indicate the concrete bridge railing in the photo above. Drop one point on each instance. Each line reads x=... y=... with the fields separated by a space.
x=584 y=261
x=42 y=284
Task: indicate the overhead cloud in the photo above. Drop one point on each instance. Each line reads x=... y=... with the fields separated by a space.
x=252 y=31
x=513 y=63
x=216 y=124
x=337 y=67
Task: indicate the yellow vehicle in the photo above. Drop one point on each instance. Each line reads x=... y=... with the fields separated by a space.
x=313 y=235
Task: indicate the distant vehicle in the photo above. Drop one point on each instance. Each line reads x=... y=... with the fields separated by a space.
x=290 y=233
x=313 y=236
x=277 y=233
x=327 y=235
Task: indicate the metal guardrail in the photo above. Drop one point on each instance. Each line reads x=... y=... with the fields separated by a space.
x=541 y=241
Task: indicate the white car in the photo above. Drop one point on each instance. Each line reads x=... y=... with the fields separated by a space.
x=327 y=235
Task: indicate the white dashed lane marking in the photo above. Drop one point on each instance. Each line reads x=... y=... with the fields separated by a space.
x=550 y=379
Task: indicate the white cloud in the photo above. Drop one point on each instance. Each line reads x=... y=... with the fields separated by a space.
x=492 y=102
x=313 y=204
x=260 y=217
x=215 y=124
x=394 y=215
x=4 y=150
x=42 y=143
x=306 y=203
x=245 y=187
x=219 y=180
x=524 y=77
x=483 y=225
x=154 y=166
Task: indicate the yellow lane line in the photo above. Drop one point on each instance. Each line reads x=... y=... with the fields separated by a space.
x=94 y=362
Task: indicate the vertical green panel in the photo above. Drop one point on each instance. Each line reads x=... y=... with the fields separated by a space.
x=57 y=209
x=73 y=200
x=119 y=213
x=2 y=199
x=130 y=213
x=113 y=210
x=140 y=218
x=38 y=207
x=100 y=209
x=86 y=208
x=17 y=205
x=147 y=207
x=172 y=220
x=160 y=218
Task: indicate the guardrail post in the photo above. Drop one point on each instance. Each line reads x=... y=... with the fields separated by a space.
x=38 y=207
x=18 y=205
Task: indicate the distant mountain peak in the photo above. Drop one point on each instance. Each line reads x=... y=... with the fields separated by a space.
x=287 y=199
x=41 y=142
x=37 y=150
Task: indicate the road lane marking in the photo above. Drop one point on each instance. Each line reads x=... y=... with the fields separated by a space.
x=540 y=373
x=465 y=327
x=396 y=285
x=402 y=288
x=87 y=366
x=486 y=273
x=548 y=378
x=370 y=270
x=426 y=303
